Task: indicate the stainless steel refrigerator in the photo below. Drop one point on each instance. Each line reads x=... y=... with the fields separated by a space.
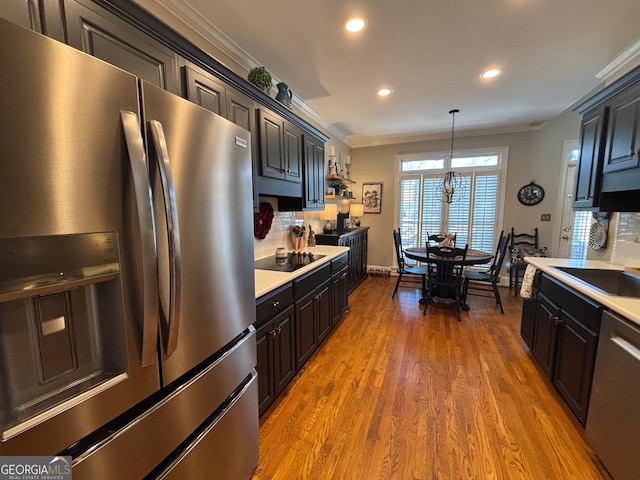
x=126 y=272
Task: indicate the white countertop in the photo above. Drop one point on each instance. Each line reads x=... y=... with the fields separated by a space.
x=628 y=307
x=267 y=280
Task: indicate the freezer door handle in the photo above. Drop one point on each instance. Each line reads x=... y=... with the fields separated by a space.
x=173 y=235
x=142 y=193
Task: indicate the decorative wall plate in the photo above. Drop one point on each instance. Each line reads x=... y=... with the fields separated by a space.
x=531 y=194
x=597 y=236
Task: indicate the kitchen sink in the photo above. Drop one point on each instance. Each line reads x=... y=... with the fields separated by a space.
x=610 y=282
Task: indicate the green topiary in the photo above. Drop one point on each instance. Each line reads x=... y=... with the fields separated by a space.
x=261 y=78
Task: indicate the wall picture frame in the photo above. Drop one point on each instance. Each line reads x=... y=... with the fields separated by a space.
x=372 y=197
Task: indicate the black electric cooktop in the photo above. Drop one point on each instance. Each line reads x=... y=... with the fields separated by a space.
x=293 y=262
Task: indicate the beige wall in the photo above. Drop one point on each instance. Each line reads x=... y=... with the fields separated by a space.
x=532 y=155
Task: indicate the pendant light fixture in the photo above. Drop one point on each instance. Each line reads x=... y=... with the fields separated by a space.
x=452 y=184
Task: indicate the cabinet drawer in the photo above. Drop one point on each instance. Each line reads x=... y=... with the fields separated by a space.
x=582 y=308
x=311 y=280
x=340 y=262
x=273 y=303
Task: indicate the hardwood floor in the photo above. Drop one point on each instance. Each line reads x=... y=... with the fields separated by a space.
x=393 y=394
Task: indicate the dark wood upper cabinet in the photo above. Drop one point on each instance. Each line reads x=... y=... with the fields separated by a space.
x=205 y=91
x=608 y=171
x=25 y=13
x=623 y=136
x=100 y=33
x=123 y=34
x=589 y=166
x=314 y=173
x=240 y=109
x=280 y=148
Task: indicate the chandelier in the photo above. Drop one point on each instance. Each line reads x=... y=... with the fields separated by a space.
x=452 y=183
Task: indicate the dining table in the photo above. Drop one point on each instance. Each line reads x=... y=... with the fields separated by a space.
x=474 y=257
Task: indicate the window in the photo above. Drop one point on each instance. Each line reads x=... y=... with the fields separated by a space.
x=580 y=235
x=474 y=218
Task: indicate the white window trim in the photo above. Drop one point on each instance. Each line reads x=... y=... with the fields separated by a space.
x=503 y=154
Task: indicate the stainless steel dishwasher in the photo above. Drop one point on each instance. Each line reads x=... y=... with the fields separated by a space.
x=613 y=422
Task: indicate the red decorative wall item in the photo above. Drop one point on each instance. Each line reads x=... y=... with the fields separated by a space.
x=262 y=220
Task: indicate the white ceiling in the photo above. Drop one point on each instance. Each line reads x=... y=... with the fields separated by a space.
x=430 y=52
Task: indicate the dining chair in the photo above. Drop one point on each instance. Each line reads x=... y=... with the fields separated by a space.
x=444 y=278
x=407 y=274
x=437 y=238
x=482 y=282
x=520 y=245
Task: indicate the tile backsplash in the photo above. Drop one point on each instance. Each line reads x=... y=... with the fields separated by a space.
x=626 y=250
x=278 y=236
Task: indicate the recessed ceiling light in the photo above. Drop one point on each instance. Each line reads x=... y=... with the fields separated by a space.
x=355 y=23
x=491 y=73
x=383 y=92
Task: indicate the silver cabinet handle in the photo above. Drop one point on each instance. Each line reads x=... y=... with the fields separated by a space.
x=275 y=304
x=173 y=232
x=556 y=320
x=142 y=193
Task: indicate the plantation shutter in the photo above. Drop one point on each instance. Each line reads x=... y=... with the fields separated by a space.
x=485 y=205
x=409 y=211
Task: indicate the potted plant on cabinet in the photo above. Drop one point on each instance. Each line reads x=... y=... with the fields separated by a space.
x=261 y=78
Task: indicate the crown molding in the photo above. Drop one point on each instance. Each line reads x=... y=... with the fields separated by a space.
x=382 y=140
x=186 y=13
x=622 y=60
x=191 y=17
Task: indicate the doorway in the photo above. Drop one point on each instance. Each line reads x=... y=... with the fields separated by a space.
x=574 y=232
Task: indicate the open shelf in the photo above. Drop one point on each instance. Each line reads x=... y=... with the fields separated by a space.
x=338 y=197
x=338 y=178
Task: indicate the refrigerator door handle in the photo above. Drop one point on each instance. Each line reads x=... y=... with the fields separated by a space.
x=142 y=192
x=173 y=233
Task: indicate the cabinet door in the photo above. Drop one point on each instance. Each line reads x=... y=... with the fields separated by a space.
x=205 y=90
x=265 y=366
x=355 y=261
x=314 y=173
x=284 y=350
x=107 y=37
x=589 y=167
x=271 y=146
x=339 y=295
x=293 y=153
x=240 y=110
x=527 y=326
x=623 y=141
x=544 y=341
x=574 y=363
x=323 y=310
x=25 y=13
x=306 y=339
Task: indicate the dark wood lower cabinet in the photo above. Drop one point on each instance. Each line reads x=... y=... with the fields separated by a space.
x=292 y=321
x=357 y=241
x=313 y=321
x=339 y=295
x=575 y=361
x=561 y=327
x=323 y=311
x=276 y=360
x=275 y=338
x=544 y=341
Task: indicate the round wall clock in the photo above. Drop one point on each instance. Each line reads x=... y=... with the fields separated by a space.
x=531 y=194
